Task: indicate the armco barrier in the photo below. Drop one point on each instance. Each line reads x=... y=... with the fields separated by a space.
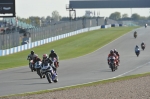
x=48 y=40
x=103 y=26
x=120 y=25
x=112 y=25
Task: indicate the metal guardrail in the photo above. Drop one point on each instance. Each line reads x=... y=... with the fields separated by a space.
x=14 y=39
x=48 y=40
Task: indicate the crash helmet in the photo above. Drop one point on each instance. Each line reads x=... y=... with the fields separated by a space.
x=32 y=52
x=52 y=51
x=111 y=51
x=115 y=50
x=45 y=56
x=36 y=56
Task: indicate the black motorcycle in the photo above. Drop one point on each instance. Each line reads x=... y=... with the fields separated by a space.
x=32 y=66
x=137 y=52
x=112 y=64
x=135 y=35
x=143 y=47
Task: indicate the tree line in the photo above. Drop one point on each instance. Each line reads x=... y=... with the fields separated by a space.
x=134 y=16
x=40 y=21
x=55 y=16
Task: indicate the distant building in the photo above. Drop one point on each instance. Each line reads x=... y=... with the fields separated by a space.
x=88 y=14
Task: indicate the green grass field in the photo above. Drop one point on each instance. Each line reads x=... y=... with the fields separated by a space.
x=70 y=47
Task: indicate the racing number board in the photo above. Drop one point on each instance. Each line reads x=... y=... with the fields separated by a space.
x=7 y=7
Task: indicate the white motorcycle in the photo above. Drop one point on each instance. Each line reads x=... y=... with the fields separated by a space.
x=50 y=73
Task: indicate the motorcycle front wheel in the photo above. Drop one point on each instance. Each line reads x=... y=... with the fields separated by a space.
x=49 y=77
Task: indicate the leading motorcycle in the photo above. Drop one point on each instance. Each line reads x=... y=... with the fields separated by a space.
x=137 y=52
x=49 y=73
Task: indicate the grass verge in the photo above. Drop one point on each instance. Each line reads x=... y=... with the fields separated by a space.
x=82 y=85
x=70 y=47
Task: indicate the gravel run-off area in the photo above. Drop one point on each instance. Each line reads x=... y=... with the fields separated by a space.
x=138 y=88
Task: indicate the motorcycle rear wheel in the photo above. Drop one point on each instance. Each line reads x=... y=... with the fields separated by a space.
x=39 y=73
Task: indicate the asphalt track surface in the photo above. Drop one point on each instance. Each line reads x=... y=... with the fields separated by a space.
x=84 y=69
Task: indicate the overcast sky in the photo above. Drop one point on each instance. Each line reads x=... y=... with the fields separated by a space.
x=26 y=8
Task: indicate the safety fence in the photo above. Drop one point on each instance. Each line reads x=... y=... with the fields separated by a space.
x=51 y=39
x=14 y=38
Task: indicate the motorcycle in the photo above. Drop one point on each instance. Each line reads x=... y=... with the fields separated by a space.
x=31 y=66
x=38 y=68
x=50 y=73
x=112 y=64
x=135 y=35
x=145 y=25
x=137 y=52
x=143 y=47
x=54 y=62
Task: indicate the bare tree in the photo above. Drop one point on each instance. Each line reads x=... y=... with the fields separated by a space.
x=56 y=16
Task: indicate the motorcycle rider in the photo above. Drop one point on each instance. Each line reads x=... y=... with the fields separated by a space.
x=53 y=55
x=145 y=25
x=111 y=54
x=118 y=57
x=135 y=33
x=36 y=59
x=46 y=60
x=137 y=49
x=142 y=44
x=31 y=56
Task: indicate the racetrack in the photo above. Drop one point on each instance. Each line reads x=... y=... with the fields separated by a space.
x=88 y=68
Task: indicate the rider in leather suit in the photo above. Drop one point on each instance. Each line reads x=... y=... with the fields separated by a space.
x=36 y=59
x=142 y=43
x=118 y=57
x=53 y=55
x=31 y=56
x=46 y=60
x=111 y=54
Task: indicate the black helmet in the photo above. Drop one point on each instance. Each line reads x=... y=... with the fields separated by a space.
x=52 y=51
x=111 y=51
x=32 y=52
